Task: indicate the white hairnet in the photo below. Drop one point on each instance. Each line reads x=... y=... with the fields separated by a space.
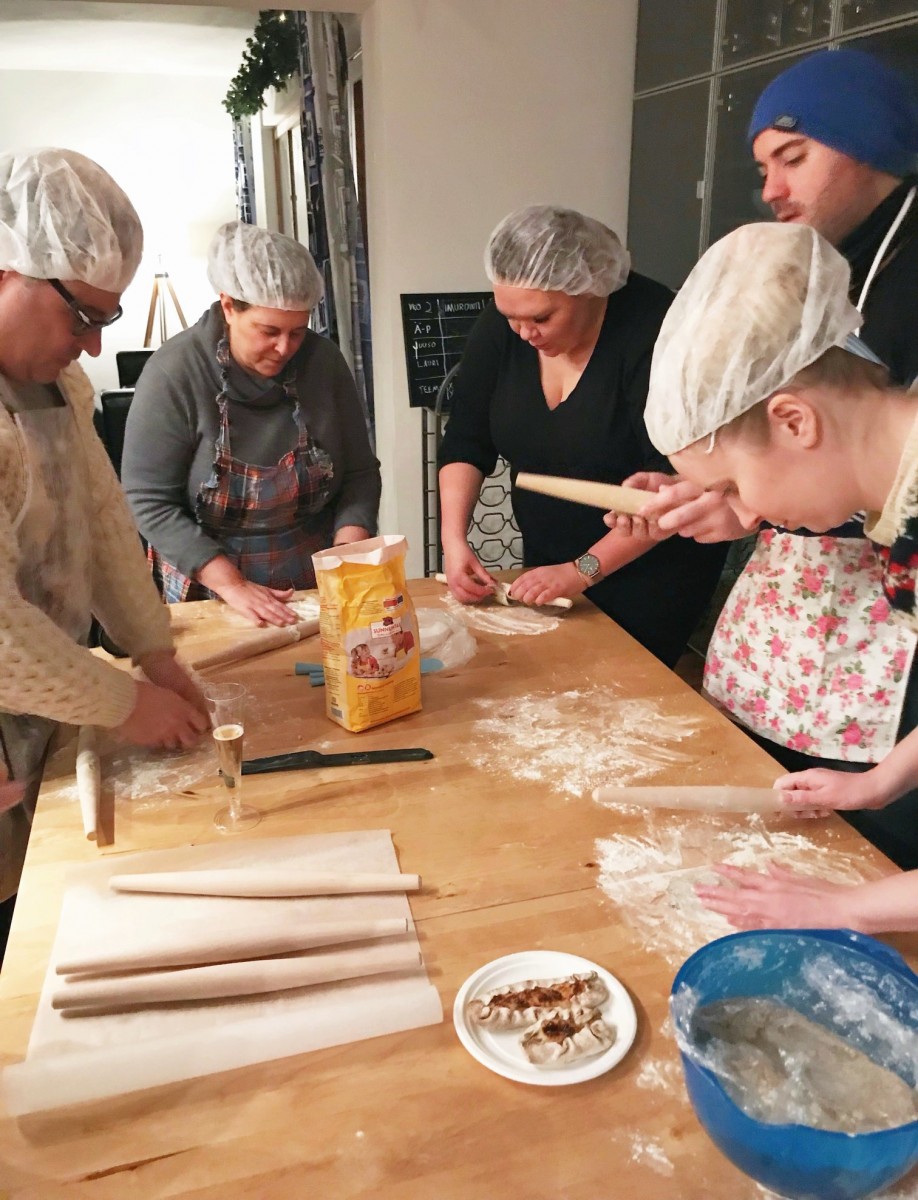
x=763 y=303
x=63 y=217
x=264 y=268
x=556 y=250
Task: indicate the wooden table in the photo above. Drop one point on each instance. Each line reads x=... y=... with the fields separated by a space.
x=508 y=864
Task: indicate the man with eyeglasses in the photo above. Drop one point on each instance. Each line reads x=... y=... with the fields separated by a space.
x=70 y=243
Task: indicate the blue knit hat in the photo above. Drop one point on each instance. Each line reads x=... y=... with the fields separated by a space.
x=849 y=101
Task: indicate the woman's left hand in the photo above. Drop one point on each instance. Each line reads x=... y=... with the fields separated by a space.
x=780 y=899
x=541 y=585
x=163 y=668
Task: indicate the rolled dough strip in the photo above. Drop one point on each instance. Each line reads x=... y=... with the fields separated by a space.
x=610 y=496
x=259 y=643
x=701 y=799
x=241 y=881
x=502 y=595
x=89 y=780
x=236 y=979
x=210 y=945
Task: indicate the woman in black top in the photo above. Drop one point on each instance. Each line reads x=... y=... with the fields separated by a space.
x=554 y=379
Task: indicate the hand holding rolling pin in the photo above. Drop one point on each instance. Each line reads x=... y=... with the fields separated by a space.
x=675 y=506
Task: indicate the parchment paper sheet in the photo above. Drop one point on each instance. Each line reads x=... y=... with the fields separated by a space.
x=70 y=1060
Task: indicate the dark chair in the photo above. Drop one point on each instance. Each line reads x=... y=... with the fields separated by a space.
x=115 y=406
x=110 y=421
x=130 y=364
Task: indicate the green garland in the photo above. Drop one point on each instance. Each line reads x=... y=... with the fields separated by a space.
x=269 y=59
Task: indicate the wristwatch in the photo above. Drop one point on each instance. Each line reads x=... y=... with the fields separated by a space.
x=588 y=568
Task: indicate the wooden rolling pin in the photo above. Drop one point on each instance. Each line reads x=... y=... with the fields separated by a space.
x=89 y=780
x=245 y=882
x=701 y=799
x=610 y=496
x=502 y=595
x=248 y=978
x=212 y=945
x=258 y=643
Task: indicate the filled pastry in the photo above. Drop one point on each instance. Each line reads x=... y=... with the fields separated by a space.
x=561 y=1037
x=516 y=1005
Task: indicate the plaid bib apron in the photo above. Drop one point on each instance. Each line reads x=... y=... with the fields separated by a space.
x=259 y=514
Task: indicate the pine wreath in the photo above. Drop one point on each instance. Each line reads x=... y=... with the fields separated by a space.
x=269 y=59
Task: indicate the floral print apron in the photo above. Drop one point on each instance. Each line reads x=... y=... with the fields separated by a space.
x=53 y=533
x=805 y=652
x=257 y=513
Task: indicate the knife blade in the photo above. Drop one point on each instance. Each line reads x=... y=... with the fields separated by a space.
x=299 y=760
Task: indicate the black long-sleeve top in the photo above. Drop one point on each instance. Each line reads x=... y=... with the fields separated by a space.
x=499 y=408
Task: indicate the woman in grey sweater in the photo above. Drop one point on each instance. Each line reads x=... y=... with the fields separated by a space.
x=246 y=447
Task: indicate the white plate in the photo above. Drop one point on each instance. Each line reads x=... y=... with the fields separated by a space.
x=502 y=1051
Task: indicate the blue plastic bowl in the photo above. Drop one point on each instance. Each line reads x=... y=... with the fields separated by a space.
x=799 y=968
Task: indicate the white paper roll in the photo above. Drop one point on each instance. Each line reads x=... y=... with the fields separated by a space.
x=211 y=945
x=247 y=978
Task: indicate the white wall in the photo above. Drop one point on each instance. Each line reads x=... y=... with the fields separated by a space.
x=473 y=108
x=168 y=142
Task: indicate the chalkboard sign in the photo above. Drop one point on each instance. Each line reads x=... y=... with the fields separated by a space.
x=436 y=326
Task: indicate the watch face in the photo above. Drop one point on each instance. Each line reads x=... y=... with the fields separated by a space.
x=588 y=564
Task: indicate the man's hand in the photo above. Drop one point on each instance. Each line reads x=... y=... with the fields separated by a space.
x=163 y=668
x=10 y=793
x=161 y=718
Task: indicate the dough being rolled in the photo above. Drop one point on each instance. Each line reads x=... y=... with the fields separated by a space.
x=560 y=1037
x=518 y=1004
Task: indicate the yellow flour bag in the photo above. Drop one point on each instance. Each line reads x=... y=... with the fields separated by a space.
x=370 y=645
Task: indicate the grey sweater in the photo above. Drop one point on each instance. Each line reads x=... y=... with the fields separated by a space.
x=174 y=422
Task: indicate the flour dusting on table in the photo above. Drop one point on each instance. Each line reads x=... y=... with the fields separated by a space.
x=492 y=617
x=138 y=775
x=649 y=1152
x=616 y=740
x=307 y=608
x=651 y=878
x=660 y=1075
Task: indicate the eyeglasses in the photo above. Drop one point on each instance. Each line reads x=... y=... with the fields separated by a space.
x=82 y=323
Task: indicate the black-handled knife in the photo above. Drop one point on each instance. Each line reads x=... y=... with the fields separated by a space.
x=302 y=759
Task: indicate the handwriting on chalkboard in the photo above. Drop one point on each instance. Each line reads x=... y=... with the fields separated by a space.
x=436 y=326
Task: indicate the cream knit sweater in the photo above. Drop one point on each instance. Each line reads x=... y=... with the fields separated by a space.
x=42 y=670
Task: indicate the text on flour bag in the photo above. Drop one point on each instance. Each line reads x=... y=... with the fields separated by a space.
x=370 y=645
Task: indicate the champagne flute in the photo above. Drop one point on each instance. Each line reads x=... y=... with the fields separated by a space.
x=226 y=704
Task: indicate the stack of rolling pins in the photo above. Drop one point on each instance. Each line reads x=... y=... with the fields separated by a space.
x=203 y=963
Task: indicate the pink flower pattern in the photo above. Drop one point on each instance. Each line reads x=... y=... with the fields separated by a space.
x=805 y=652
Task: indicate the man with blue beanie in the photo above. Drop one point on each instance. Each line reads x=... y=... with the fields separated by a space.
x=836 y=140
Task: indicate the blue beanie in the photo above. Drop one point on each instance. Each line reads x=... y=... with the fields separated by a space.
x=847 y=100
